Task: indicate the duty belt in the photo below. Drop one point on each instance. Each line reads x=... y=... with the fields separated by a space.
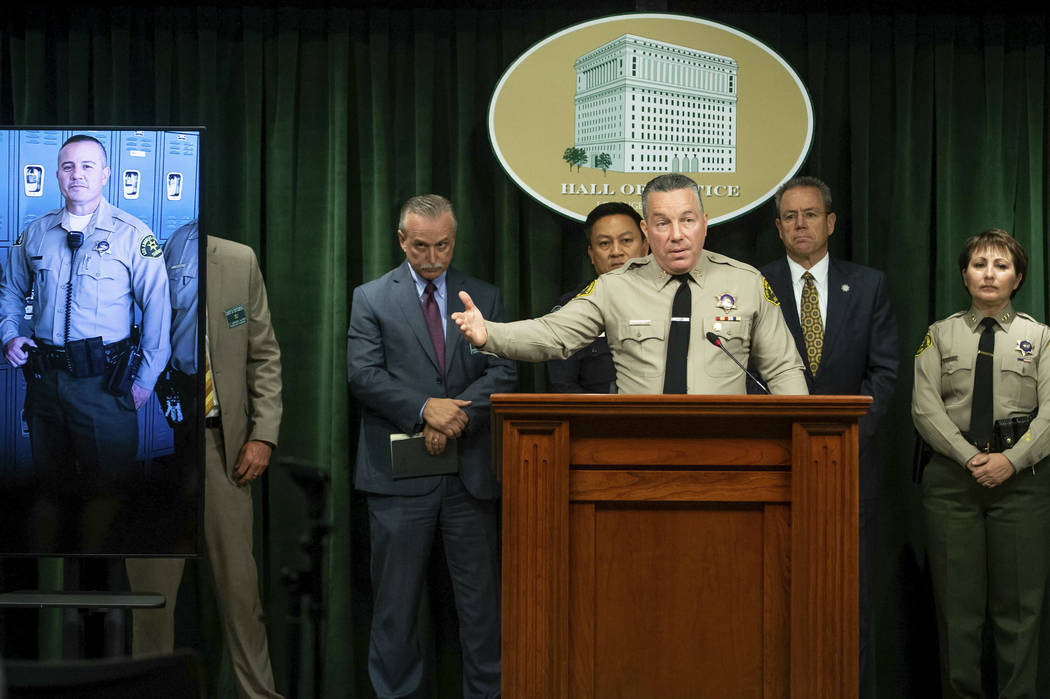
x=1005 y=433
x=56 y=357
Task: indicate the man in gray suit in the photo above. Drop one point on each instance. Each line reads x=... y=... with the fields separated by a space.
x=411 y=372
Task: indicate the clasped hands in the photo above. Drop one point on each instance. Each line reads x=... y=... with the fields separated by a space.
x=990 y=470
x=443 y=419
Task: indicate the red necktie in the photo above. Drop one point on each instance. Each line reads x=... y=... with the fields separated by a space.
x=433 y=318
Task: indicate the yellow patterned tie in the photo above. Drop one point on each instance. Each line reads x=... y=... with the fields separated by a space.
x=209 y=391
x=812 y=327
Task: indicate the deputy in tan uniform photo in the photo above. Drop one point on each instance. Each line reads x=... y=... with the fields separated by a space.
x=979 y=385
x=658 y=310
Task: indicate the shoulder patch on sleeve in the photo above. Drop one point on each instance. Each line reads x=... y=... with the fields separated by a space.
x=926 y=342
x=587 y=289
x=767 y=290
x=149 y=247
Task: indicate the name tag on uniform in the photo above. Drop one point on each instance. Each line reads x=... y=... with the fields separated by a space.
x=236 y=316
x=639 y=322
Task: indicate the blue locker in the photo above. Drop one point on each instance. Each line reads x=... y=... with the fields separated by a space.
x=159 y=438
x=7 y=448
x=134 y=170
x=37 y=160
x=23 y=449
x=8 y=223
x=179 y=174
x=143 y=451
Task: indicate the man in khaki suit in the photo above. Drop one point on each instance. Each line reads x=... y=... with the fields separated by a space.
x=242 y=420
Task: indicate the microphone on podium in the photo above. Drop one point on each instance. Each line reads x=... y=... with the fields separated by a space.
x=716 y=340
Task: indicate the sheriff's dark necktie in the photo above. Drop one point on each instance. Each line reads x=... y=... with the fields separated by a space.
x=981 y=411
x=675 y=373
x=433 y=317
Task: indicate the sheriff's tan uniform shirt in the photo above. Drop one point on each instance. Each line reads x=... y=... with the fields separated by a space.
x=944 y=366
x=632 y=305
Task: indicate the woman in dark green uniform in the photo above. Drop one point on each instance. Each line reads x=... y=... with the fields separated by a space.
x=982 y=402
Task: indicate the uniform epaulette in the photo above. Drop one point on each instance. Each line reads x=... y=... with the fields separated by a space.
x=957 y=314
x=729 y=261
x=633 y=263
x=131 y=220
x=1019 y=314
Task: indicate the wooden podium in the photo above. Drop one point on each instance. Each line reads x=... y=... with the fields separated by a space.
x=679 y=546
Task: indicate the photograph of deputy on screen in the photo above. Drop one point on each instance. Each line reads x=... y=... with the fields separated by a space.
x=87 y=366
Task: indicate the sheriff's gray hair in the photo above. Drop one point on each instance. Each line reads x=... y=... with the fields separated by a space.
x=668 y=183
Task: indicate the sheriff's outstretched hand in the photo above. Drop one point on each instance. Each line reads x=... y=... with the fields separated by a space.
x=470 y=321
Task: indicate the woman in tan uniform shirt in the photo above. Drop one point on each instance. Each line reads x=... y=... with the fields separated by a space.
x=982 y=402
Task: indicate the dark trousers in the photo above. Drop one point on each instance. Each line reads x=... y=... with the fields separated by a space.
x=988 y=551
x=84 y=442
x=866 y=599
x=402 y=534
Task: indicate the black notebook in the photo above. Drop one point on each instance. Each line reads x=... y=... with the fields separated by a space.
x=409 y=457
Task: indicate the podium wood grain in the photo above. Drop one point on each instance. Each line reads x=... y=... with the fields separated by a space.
x=679 y=546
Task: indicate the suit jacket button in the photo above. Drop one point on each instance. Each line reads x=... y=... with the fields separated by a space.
x=438 y=379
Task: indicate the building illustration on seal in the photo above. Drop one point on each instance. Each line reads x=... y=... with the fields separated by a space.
x=643 y=105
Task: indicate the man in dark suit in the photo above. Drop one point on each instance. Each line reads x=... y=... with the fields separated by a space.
x=614 y=235
x=845 y=330
x=411 y=371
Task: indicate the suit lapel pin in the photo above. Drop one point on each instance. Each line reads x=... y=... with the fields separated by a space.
x=845 y=288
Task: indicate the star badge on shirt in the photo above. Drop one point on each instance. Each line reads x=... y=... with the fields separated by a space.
x=725 y=301
x=1024 y=347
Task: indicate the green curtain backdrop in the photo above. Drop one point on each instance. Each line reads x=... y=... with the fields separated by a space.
x=930 y=126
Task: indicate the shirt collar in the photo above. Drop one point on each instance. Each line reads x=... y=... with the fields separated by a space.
x=101 y=217
x=819 y=270
x=1004 y=317
x=663 y=277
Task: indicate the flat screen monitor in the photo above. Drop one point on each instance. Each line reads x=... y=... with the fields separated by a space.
x=99 y=255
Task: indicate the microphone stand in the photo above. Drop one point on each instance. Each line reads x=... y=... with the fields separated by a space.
x=716 y=340
x=302 y=583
